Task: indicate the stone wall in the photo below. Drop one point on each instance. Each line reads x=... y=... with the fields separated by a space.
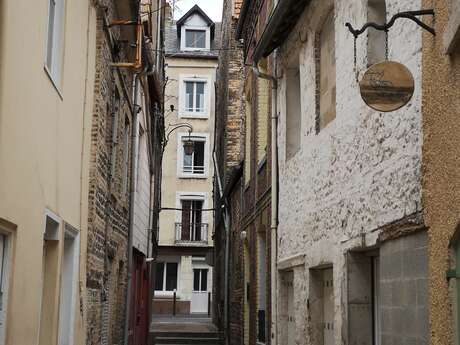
x=441 y=161
x=108 y=217
x=360 y=172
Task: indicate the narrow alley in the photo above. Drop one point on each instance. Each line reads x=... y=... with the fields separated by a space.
x=229 y=172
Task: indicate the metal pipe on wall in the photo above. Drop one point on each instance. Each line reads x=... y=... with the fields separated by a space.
x=274 y=196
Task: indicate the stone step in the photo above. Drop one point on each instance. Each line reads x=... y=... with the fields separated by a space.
x=187 y=338
x=187 y=341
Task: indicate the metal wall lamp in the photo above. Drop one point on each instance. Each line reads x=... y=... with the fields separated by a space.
x=412 y=15
x=189 y=145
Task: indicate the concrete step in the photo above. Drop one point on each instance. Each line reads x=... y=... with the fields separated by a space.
x=187 y=338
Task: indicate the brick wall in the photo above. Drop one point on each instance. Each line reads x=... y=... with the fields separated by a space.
x=108 y=218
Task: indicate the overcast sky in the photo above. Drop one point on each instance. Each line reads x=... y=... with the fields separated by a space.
x=213 y=8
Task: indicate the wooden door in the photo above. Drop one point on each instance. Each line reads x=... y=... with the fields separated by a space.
x=328 y=307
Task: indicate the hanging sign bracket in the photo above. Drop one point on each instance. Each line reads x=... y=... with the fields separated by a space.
x=412 y=15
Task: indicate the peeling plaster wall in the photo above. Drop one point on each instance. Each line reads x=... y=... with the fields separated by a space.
x=364 y=169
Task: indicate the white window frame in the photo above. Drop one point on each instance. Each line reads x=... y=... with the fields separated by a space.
x=54 y=51
x=207 y=278
x=185 y=27
x=164 y=293
x=183 y=112
x=180 y=196
x=181 y=137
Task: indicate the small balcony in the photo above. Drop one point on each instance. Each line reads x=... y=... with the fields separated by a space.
x=191 y=234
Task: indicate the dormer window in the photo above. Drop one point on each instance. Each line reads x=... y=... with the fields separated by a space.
x=195 y=30
x=195 y=39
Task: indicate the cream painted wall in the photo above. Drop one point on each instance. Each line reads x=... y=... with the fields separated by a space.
x=171 y=183
x=44 y=149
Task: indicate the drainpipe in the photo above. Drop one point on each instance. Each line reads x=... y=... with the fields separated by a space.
x=132 y=188
x=274 y=197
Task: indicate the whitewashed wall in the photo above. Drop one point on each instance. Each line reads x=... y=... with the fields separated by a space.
x=360 y=172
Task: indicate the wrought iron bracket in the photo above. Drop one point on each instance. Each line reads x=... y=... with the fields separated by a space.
x=412 y=15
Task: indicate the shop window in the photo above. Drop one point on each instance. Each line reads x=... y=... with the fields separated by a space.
x=377 y=13
x=166 y=276
x=325 y=65
x=293 y=108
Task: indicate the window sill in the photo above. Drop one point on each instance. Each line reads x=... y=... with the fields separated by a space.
x=189 y=115
x=165 y=294
x=197 y=176
x=53 y=82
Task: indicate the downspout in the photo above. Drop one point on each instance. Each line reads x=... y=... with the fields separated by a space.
x=274 y=197
x=132 y=188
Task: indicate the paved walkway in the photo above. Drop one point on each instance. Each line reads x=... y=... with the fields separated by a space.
x=182 y=323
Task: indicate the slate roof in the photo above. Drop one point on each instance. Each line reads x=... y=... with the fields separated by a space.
x=172 y=44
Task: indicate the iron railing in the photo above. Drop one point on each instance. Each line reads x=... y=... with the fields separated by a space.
x=191 y=233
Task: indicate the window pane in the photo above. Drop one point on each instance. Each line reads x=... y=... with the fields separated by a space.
x=198 y=157
x=51 y=26
x=195 y=39
x=197 y=215
x=204 y=280
x=196 y=280
x=171 y=276
x=200 y=39
x=188 y=162
x=159 y=276
x=199 y=105
x=189 y=96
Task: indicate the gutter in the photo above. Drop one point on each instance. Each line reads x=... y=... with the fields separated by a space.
x=274 y=197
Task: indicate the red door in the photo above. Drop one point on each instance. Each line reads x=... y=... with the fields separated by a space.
x=138 y=331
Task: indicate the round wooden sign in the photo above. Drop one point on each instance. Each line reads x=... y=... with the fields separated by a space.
x=387 y=86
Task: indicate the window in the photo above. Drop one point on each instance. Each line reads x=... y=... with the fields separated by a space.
x=166 y=276
x=262 y=287
x=193 y=164
x=195 y=97
x=377 y=13
x=247 y=143
x=126 y=156
x=195 y=38
x=191 y=222
x=325 y=65
x=293 y=108
x=54 y=42
x=263 y=113
x=200 y=280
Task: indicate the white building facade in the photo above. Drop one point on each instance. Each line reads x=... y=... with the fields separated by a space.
x=183 y=270
x=352 y=246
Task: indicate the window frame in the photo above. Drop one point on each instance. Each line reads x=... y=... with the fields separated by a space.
x=54 y=51
x=165 y=292
x=207 y=30
x=183 y=112
x=181 y=137
x=193 y=196
x=189 y=30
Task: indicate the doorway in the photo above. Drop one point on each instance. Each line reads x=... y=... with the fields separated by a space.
x=4 y=282
x=200 y=296
x=68 y=286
